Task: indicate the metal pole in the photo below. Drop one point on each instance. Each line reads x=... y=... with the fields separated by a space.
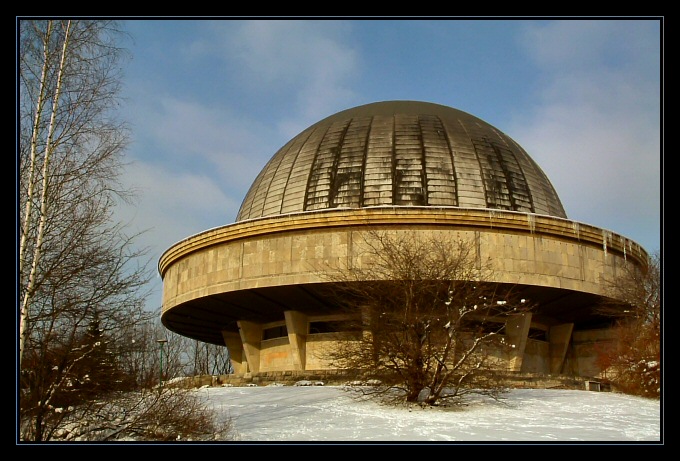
x=160 y=376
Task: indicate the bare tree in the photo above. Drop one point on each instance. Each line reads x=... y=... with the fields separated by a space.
x=138 y=351
x=632 y=361
x=70 y=153
x=219 y=361
x=182 y=356
x=209 y=359
x=86 y=343
x=79 y=272
x=430 y=327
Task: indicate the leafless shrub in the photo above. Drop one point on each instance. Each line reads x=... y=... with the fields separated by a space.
x=160 y=416
x=423 y=321
x=632 y=361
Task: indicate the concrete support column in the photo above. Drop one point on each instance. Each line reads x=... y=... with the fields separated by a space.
x=517 y=332
x=233 y=342
x=559 y=337
x=251 y=337
x=296 y=324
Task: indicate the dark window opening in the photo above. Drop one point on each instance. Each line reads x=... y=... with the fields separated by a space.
x=331 y=326
x=274 y=332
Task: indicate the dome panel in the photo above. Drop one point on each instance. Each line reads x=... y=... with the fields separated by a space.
x=404 y=153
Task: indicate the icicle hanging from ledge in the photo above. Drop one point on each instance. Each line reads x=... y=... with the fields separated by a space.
x=577 y=229
x=531 y=220
x=606 y=235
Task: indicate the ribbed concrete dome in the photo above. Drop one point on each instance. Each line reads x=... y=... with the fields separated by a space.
x=400 y=153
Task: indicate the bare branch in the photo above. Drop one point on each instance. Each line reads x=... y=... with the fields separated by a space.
x=427 y=327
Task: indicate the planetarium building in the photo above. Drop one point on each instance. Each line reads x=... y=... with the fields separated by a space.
x=258 y=285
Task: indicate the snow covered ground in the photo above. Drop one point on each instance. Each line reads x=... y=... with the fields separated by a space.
x=329 y=414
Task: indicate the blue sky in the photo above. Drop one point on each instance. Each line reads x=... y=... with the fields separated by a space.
x=210 y=101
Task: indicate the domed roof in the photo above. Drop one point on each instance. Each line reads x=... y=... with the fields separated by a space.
x=400 y=153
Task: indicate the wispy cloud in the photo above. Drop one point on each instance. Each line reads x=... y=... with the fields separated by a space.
x=313 y=62
x=194 y=137
x=212 y=101
x=196 y=152
x=595 y=128
x=172 y=205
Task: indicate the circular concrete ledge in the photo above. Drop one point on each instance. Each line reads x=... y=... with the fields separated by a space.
x=458 y=218
x=258 y=269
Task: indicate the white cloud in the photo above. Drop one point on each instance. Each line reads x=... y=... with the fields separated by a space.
x=174 y=205
x=170 y=206
x=595 y=130
x=226 y=146
x=314 y=61
x=293 y=52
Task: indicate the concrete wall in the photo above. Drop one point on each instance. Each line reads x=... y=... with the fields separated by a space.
x=585 y=347
x=579 y=360
x=275 y=355
x=318 y=345
x=522 y=248
x=536 y=357
x=537 y=250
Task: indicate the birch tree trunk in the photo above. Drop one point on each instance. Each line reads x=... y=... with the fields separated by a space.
x=76 y=265
x=43 y=191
